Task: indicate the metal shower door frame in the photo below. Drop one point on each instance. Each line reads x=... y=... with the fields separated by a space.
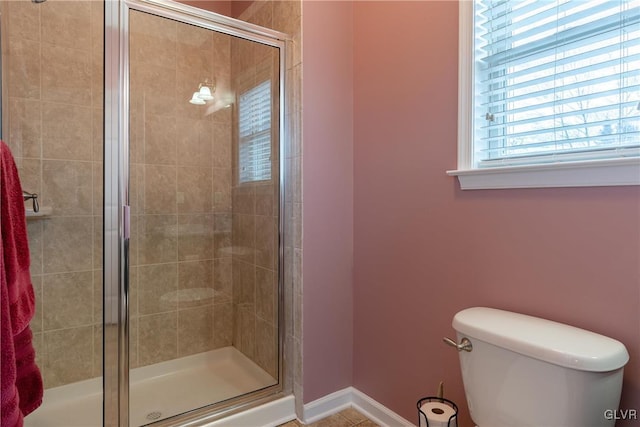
x=116 y=198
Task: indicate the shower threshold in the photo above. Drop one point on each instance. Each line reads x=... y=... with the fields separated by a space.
x=157 y=391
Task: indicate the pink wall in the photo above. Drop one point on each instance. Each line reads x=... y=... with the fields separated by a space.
x=223 y=7
x=328 y=197
x=231 y=8
x=239 y=6
x=423 y=249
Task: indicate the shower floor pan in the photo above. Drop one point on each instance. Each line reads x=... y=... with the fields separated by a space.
x=157 y=391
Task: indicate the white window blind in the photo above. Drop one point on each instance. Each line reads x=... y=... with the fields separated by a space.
x=555 y=81
x=255 y=133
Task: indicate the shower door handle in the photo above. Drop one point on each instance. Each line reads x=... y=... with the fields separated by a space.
x=465 y=344
x=126 y=222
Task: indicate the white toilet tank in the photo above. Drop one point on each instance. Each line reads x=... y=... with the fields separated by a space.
x=529 y=372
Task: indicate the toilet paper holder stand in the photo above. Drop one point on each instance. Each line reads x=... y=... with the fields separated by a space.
x=453 y=420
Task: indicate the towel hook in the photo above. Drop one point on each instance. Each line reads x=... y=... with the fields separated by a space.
x=34 y=198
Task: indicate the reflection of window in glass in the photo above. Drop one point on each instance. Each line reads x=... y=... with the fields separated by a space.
x=255 y=133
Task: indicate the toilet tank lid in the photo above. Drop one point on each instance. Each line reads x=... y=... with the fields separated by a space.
x=542 y=339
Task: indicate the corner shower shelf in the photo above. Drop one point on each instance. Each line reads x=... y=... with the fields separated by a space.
x=43 y=212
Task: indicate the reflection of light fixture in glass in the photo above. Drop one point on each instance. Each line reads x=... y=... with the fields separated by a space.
x=204 y=93
x=196 y=100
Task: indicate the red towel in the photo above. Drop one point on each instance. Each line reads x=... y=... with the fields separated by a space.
x=10 y=414
x=15 y=243
x=21 y=383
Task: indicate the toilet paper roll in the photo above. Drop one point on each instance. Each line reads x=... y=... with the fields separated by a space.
x=438 y=415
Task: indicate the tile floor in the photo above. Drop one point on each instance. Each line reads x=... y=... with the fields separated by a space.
x=346 y=418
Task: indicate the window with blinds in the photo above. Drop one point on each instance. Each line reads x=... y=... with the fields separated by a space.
x=255 y=133
x=555 y=81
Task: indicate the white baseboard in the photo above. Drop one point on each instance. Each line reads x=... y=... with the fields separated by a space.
x=351 y=397
x=283 y=410
x=328 y=405
x=270 y=414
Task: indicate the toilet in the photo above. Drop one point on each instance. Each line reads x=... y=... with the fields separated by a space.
x=523 y=371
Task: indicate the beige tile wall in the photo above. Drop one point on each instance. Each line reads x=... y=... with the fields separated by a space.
x=255 y=223
x=181 y=192
x=52 y=121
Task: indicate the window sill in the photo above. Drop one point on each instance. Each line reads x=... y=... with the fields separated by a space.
x=596 y=173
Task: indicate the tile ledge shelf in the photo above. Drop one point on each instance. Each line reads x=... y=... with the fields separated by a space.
x=43 y=212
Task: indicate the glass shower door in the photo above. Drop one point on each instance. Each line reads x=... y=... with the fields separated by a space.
x=204 y=200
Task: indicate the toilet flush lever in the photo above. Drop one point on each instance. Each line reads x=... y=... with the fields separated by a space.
x=465 y=344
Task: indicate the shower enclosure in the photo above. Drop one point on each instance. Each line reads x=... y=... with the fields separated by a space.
x=152 y=133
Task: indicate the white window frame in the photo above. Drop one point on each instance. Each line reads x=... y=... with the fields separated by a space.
x=587 y=173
